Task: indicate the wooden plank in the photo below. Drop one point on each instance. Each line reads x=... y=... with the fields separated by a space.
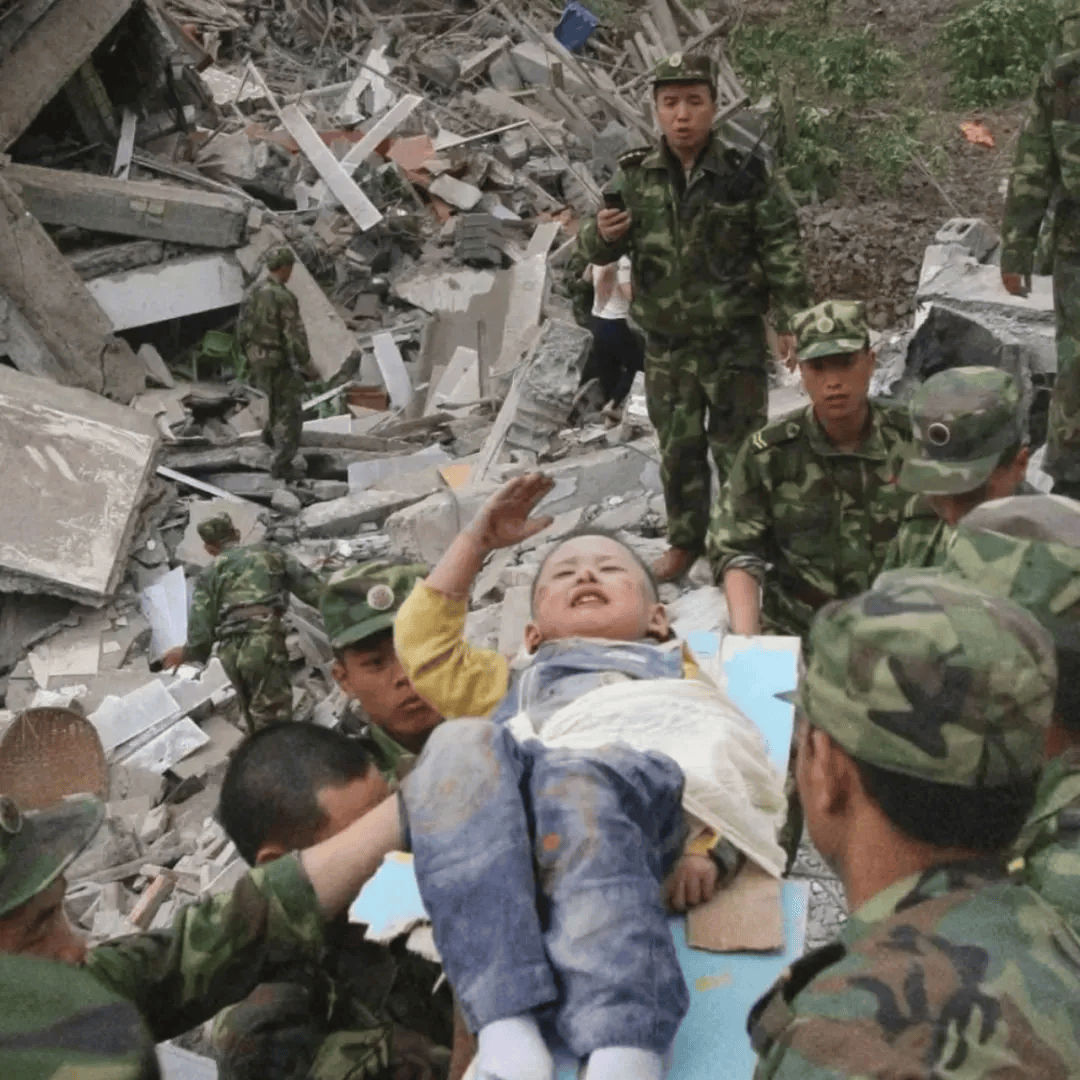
x=665 y=24
x=357 y=205
x=207 y=489
x=542 y=238
x=146 y=208
x=475 y=64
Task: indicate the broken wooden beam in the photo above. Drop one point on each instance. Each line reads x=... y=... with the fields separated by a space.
x=357 y=205
x=149 y=209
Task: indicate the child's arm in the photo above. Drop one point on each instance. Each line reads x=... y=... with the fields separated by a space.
x=457 y=678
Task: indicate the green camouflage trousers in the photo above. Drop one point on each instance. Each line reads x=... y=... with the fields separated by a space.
x=257 y=663
x=284 y=389
x=1063 y=435
x=703 y=396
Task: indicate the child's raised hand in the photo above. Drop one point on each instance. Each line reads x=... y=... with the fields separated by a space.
x=692 y=882
x=504 y=519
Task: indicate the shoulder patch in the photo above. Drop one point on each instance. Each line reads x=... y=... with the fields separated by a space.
x=779 y=431
x=635 y=156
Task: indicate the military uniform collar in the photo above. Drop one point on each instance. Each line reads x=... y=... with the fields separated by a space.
x=711 y=156
x=391 y=758
x=873 y=446
x=916 y=889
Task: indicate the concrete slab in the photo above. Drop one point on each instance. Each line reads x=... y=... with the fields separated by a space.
x=119 y=720
x=165 y=605
x=170 y=746
x=172 y=290
x=367 y=474
x=392 y=367
x=342 y=517
x=75 y=469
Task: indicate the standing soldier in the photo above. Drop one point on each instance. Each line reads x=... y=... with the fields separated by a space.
x=272 y=336
x=239 y=601
x=1047 y=168
x=714 y=242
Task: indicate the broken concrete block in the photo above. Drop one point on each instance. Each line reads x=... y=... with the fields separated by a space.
x=342 y=517
x=120 y=720
x=73 y=457
x=423 y=531
x=224 y=739
x=549 y=384
x=976 y=236
x=164 y=605
x=515 y=146
x=533 y=63
x=154 y=210
x=154 y=825
x=384 y=471
x=172 y=745
x=392 y=367
x=284 y=501
x=457 y=193
x=173 y=290
x=623 y=515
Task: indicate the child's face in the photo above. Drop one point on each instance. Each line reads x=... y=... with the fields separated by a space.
x=591 y=586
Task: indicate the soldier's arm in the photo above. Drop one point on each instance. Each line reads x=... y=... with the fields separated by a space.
x=592 y=246
x=202 y=618
x=1032 y=181
x=302 y=582
x=780 y=253
x=738 y=537
x=220 y=948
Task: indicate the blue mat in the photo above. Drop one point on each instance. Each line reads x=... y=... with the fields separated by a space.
x=712 y=1043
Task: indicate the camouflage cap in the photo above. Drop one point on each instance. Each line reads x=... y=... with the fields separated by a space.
x=963 y=419
x=684 y=68
x=361 y=600
x=834 y=328
x=1026 y=548
x=38 y=846
x=217 y=529
x=278 y=257
x=926 y=676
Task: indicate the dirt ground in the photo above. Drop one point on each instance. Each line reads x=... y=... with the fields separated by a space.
x=863 y=244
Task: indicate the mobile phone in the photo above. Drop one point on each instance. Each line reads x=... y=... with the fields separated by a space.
x=613 y=200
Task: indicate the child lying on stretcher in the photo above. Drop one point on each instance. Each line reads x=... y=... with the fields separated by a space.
x=543 y=833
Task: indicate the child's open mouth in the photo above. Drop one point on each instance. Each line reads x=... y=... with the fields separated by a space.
x=590 y=596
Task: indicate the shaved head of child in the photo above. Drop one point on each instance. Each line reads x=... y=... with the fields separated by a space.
x=594 y=586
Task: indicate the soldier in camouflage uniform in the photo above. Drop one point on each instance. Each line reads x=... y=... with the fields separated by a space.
x=1047 y=168
x=1027 y=549
x=271 y=333
x=358 y=611
x=812 y=494
x=212 y=956
x=714 y=244
x=239 y=601
x=920 y=733
x=362 y=1009
x=969 y=447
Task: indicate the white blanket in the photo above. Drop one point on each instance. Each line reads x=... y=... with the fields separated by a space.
x=730 y=784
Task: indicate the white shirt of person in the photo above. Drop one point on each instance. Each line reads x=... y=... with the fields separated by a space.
x=611 y=288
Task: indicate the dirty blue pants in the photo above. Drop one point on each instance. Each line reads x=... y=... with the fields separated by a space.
x=541 y=870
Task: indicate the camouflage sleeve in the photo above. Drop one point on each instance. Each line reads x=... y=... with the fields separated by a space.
x=1032 y=181
x=303 y=583
x=202 y=618
x=217 y=951
x=741 y=519
x=592 y=247
x=293 y=332
x=780 y=253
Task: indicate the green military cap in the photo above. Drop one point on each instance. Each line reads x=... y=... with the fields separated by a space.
x=834 y=328
x=36 y=847
x=684 y=68
x=217 y=529
x=361 y=600
x=963 y=419
x=278 y=257
x=1026 y=548
x=927 y=676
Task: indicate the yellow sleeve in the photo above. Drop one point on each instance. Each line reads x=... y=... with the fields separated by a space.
x=456 y=677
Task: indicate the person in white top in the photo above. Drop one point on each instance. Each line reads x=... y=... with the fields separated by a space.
x=617 y=353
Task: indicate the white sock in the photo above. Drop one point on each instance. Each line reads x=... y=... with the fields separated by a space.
x=513 y=1049
x=625 y=1063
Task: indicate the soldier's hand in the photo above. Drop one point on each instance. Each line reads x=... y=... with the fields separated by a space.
x=504 y=519
x=1016 y=284
x=787 y=347
x=692 y=882
x=173 y=658
x=612 y=224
